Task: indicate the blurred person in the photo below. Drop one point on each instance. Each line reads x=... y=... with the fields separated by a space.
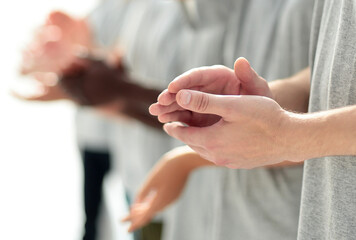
x=56 y=45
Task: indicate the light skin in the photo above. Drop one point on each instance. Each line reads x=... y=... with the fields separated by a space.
x=56 y=43
x=46 y=89
x=164 y=185
x=54 y=49
x=167 y=180
x=254 y=131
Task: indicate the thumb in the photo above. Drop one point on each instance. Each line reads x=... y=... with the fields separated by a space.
x=59 y=18
x=251 y=82
x=204 y=102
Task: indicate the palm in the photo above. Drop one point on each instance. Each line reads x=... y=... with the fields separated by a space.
x=54 y=44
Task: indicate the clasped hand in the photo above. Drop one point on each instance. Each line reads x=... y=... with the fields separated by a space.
x=220 y=122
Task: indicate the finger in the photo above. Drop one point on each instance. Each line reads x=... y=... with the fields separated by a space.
x=145 y=213
x=59 y=18
x=138 y=217
x=206 y=103
x=166 y=98
x=157 y=109
x=51 y=33
x=127 y=218
x=135 y=219
x=146 y=192
x=139 y=223
x=251 y=82
x=198 y=77
x=137 y=210
x=192 y=136
x=39 y=96
x=154 y=109
x=46 y=78
x=178 y=116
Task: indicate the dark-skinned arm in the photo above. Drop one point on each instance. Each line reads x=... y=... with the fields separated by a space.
x=94 y=83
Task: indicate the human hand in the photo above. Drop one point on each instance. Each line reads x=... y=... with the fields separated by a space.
x=216 y=80
x=93 y=82
x=46 y=89
x=253 y=131
x=55 y=44
x=163 y=185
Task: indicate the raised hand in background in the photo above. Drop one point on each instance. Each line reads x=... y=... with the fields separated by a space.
x=55 y=44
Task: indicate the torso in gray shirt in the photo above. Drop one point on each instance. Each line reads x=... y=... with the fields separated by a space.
x=328 y=209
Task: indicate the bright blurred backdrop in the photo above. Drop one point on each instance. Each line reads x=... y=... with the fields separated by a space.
x=40 y=172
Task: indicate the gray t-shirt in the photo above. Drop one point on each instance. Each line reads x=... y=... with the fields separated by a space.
x=328 y=208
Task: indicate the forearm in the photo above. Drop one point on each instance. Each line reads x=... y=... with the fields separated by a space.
x=326 y=133
x=186 y=159
x=132 y=91
x=137 y=99
x=138 y=111
x=293 y=93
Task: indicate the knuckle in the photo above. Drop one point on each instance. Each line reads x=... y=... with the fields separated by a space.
x=202 y=102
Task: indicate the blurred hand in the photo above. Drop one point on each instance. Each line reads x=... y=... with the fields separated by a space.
x=216 y=80
x=163 y=186
x=47 y=89
x=93 y=82
x=55 y=44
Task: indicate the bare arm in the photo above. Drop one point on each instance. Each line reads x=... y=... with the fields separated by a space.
x=94 y=83
x=164 y=185
x=325 y=133
x=293 y=93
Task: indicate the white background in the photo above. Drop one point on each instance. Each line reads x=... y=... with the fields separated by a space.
x=40 y=172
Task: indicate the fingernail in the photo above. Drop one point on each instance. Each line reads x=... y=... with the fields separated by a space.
x=185 y=97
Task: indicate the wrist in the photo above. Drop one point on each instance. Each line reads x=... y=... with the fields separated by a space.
x=305 y=137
